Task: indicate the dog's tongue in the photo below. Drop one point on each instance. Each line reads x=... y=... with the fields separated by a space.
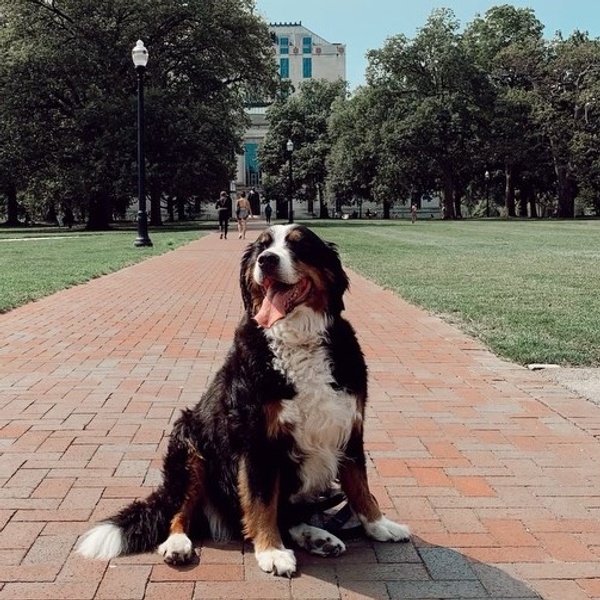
x=279 y=301
x=272 y=308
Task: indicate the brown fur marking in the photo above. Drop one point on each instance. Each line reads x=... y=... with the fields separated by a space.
x=295 y=235
x=180 y=523
x=318 y=297
x=353 y=478
x=256 y=291
x=275 y=427
x=259 y=519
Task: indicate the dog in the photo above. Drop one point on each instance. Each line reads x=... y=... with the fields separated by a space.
x=281 y=420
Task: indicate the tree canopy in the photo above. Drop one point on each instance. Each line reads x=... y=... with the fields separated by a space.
x=302 y=118
x=68 y=102
x=490 y=110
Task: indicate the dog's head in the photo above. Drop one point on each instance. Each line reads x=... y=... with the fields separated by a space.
x=287 y=268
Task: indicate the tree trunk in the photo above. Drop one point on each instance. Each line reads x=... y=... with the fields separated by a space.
x=170 y=209
x=310 y=203
x=386 y=209
x=282 y=209
x=529 y=207
x=509 y=191
x=155 y=212
x=180 y=208
x=12 y=206
x=522 y=206
x=448 y=196
x=533 y=214
x=567 y=190
x=51 y=215
x=323 y=212
x=99 y=211
x=457 y=204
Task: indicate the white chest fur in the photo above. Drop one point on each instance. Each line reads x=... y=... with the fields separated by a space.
x=322 y=417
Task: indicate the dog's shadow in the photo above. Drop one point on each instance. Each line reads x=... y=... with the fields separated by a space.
x=374 y=570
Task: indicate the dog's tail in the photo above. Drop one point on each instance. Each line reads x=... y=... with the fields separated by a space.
x=139 y=527
x=142 y=525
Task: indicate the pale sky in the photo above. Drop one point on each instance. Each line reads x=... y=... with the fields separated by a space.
x=365 y=24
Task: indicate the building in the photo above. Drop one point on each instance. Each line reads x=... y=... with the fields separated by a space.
x=300 y=55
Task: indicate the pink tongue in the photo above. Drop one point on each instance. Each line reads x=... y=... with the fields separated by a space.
x=272 y=309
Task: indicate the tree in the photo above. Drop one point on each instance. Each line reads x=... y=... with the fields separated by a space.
x=543 y=90
x=504 y=36
x=303 y=118
x=69 y=62
x=356 y=149
x=563 y=89
x=439 y=105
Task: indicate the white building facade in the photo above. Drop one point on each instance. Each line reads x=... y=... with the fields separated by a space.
x=300 y=55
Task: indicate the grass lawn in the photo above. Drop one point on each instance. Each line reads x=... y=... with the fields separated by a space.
x=530 y=290
x=36 y=262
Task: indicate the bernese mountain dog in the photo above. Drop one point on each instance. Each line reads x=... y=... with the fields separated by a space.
x=281 y=420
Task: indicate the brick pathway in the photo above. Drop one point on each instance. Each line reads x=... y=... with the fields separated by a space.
x=495 y=469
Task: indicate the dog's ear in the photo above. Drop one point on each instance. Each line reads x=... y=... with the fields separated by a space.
x=325 y=255
x=339 y=280
x=246 y=279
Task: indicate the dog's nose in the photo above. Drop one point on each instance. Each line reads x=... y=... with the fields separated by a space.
x=268 y=260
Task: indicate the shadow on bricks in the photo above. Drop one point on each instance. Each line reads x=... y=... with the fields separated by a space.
x=416 y=570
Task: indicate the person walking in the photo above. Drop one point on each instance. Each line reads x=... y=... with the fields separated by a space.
x=243 y=212
x=268 y=212
x=413 y=213
x=254 y=199
x=222 y=206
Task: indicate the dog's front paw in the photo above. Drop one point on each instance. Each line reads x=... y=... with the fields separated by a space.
x=279 y=562
x=177 y=549
x=317 y=541
x=384 y=530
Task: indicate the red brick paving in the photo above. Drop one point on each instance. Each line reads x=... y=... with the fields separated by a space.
x=495 y=469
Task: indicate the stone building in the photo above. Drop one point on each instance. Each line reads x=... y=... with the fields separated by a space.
x=300 y=55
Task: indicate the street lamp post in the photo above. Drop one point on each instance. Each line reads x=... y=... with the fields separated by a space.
x=290 y=150
x=487 y=193
x=139 y=54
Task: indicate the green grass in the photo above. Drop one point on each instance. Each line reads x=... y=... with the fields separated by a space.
x=51 y=259
x=530 y=290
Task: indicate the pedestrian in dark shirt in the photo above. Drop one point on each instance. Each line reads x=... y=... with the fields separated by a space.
x=223 y=204
x=268 y=212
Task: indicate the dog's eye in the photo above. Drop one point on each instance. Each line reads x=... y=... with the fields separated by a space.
x=264 y=242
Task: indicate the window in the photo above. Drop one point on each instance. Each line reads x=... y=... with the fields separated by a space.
x=284 y=45
x=252 y=175
x=306 y=45
x=307 y=68
x=284 y=68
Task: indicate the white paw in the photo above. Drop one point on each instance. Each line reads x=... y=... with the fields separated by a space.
x=316 y=540
x=177 y=549
x=280 y=562
x=384 y=530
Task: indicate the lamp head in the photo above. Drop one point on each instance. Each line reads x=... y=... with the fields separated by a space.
x=139 y=54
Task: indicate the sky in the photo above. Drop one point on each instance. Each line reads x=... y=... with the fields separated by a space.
x=366 y=24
